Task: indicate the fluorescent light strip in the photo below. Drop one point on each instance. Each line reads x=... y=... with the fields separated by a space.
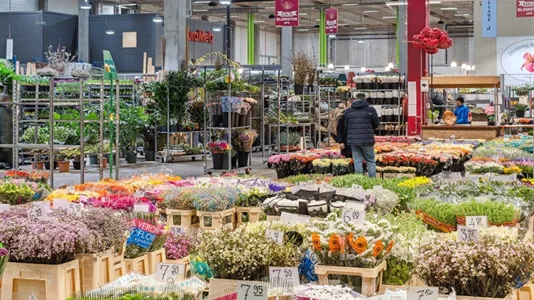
x=461 y=15
x=448 y=8
x=199 y=10
x=370 y=11
x=201 y=2
x=350 y=4
x=389 y=17
x=259 y=21
x=359 y=28
x=396 y=3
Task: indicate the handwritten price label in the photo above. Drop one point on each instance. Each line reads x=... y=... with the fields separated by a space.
x=275 y=235
x=252 y=291
x=38 y=211
x=176 y=230
x=282 y=274
x=75 y=209
x=141 y=207
x=169 y=272
x=476 y=221
x=354 y=213
x=60 y=204
x=467 y=234
x=422 y=293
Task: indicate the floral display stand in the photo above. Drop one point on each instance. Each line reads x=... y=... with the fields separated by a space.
x=155 y=257
x=119 y=265
x=371 y=277
x=253 y=213
x=187 y=217
x=217 y=218
x=96 y=269
x=138 y=265
x=46 y=282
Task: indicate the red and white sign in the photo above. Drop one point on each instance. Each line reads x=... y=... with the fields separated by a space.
x=331 y=21
x=286 y=13
x=200 y=36
x=524 y=8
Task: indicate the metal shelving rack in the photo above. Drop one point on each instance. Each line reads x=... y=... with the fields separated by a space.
x=19 y=105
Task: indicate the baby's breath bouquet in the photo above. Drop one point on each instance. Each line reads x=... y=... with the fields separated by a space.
x=243 y=254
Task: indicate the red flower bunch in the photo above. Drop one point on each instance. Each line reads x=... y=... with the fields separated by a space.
x=431 y=40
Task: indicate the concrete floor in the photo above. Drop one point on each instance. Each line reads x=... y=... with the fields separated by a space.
x=185 y=168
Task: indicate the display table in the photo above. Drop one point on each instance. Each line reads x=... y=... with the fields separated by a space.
x=460 y=132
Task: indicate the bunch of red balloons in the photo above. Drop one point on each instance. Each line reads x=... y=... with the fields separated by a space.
x=431 y=40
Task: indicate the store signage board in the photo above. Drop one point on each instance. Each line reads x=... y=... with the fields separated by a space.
x=331 y=21
x=286 y=13
x=425 y=87
x=489 y=18
x=515 y=59
x=200 y=36
x=524 y=8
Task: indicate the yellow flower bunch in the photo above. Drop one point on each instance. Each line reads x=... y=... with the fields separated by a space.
x=414 y=182
x=512 y=170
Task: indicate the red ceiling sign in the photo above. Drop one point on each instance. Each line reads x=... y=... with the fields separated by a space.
x=524 y=8
x=286 y=13
x=331 y=21
x=200 y=36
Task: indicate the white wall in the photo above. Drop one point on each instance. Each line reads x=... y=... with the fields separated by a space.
x=18 y=5
x=269 y=46
x=307 y=43
x=63 y=6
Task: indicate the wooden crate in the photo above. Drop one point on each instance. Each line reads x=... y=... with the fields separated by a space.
x=187 y=217
x=253 y=213
x=371 y=277
x=217 y=218
x=44 y=282
x=137 y=265
x=155 y=257
x=96 y=269
x=119 y=265
x=412 y=282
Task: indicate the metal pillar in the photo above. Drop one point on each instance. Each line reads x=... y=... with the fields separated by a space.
x=83 y=33
x=323 y=60
x=250 y=39
x=175 y=34
x=401 y=40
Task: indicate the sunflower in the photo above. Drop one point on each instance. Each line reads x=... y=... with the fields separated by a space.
x=334 y=244
x=390 y=245
x=316 y=240
x=379 y=247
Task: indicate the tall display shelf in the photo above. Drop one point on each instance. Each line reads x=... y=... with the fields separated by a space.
x=223 y=130
x=385 y=92
x=31 y=99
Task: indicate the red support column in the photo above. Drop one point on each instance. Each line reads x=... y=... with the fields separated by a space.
x=418 y=15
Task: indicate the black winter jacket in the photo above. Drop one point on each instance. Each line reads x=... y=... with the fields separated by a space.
x=358 y=125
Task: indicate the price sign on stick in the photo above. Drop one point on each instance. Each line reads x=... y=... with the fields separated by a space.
x=422 y=293
x=476 y=221
x=275 y=235
x=38 y=212
x=354 y=213
x=169 y=272
x=141 y=207
x=75 y=209
x=4 y=207
x=252 y=291
x=467 y=234
x=60 y=204
x=283 y=274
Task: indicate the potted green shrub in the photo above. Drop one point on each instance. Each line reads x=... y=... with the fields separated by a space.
x=132 y=121
x=520 y=110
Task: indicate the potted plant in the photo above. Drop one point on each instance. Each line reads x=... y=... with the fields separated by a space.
x=302 y=66
x=343 y=92
x=63 y=163
x=520 y=110
x=242 y=143
x=149 y=137
x=219 y=150
x=522 y=90
x=132 y=122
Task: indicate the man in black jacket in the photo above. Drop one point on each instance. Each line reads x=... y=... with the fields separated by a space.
x=357 y=132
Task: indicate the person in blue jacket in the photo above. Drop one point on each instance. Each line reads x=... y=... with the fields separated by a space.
x=461 y=112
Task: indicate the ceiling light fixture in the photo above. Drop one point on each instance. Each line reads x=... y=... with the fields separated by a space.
x=389 y=17
x=391 y=65
x=361 y=41
x=86 y=5
x=110 y=32
x=370 y=11
x=216 y=29
x=462 y=15
x=259 y=21
x=225 y=2
x=464 y=65
x=347 y=68
x=434 y=2
x=330 y=66
x=363 y=69
x=359 y=28
x=448 y=8
x=302 y=29
x=303 y=14
x=454 y=64
x=157 y=19
x=349 y=4
x=332 y=36
x=396 y=3
x=199 y=10
x=201 y=2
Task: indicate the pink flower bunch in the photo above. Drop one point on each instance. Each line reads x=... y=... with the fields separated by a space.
x=280 y=158
x=119 y=202
x=178 y=246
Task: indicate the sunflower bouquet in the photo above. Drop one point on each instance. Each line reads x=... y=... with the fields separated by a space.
x=337 y=243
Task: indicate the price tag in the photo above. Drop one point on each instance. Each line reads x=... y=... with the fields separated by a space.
x=4 y=207
x=141 y=207
x=304 y=219
x=291 y=219
x=38 y=212
x=282 y=275
x=275 y=235
x=75 y=209
x=252 y=291
x=354 y=213
x=422 y=293
x=60 y=204
x=176 y=230
x=467 y=234
x=169 y=272
x=476 y=221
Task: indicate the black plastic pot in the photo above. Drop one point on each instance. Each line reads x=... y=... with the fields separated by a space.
x=242 y=159
x=131 y=157
x=234 y=161
x=217 y=161
x=150 y=155
x=216 y=120
x=78 y=164
x=225 y=118
x=47 y=165
x=386 y=85
x=520 y=113
x=93 y=159
x=367 y=85
x=299 y=89
x=281 y=174
x=394 y=85
x=243 y=120
x=375 y=85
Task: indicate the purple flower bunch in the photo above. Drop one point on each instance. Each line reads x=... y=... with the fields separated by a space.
x=107 y=228
x=3 y=252
x=178 y=246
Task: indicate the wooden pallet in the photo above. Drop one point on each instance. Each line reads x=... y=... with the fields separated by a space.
x=137 y=265
x=371 y=277
x=253 y=214
x=187 y=218
x=43 y=282
x=155 y=257
x=217 y=218
x=96 y=269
